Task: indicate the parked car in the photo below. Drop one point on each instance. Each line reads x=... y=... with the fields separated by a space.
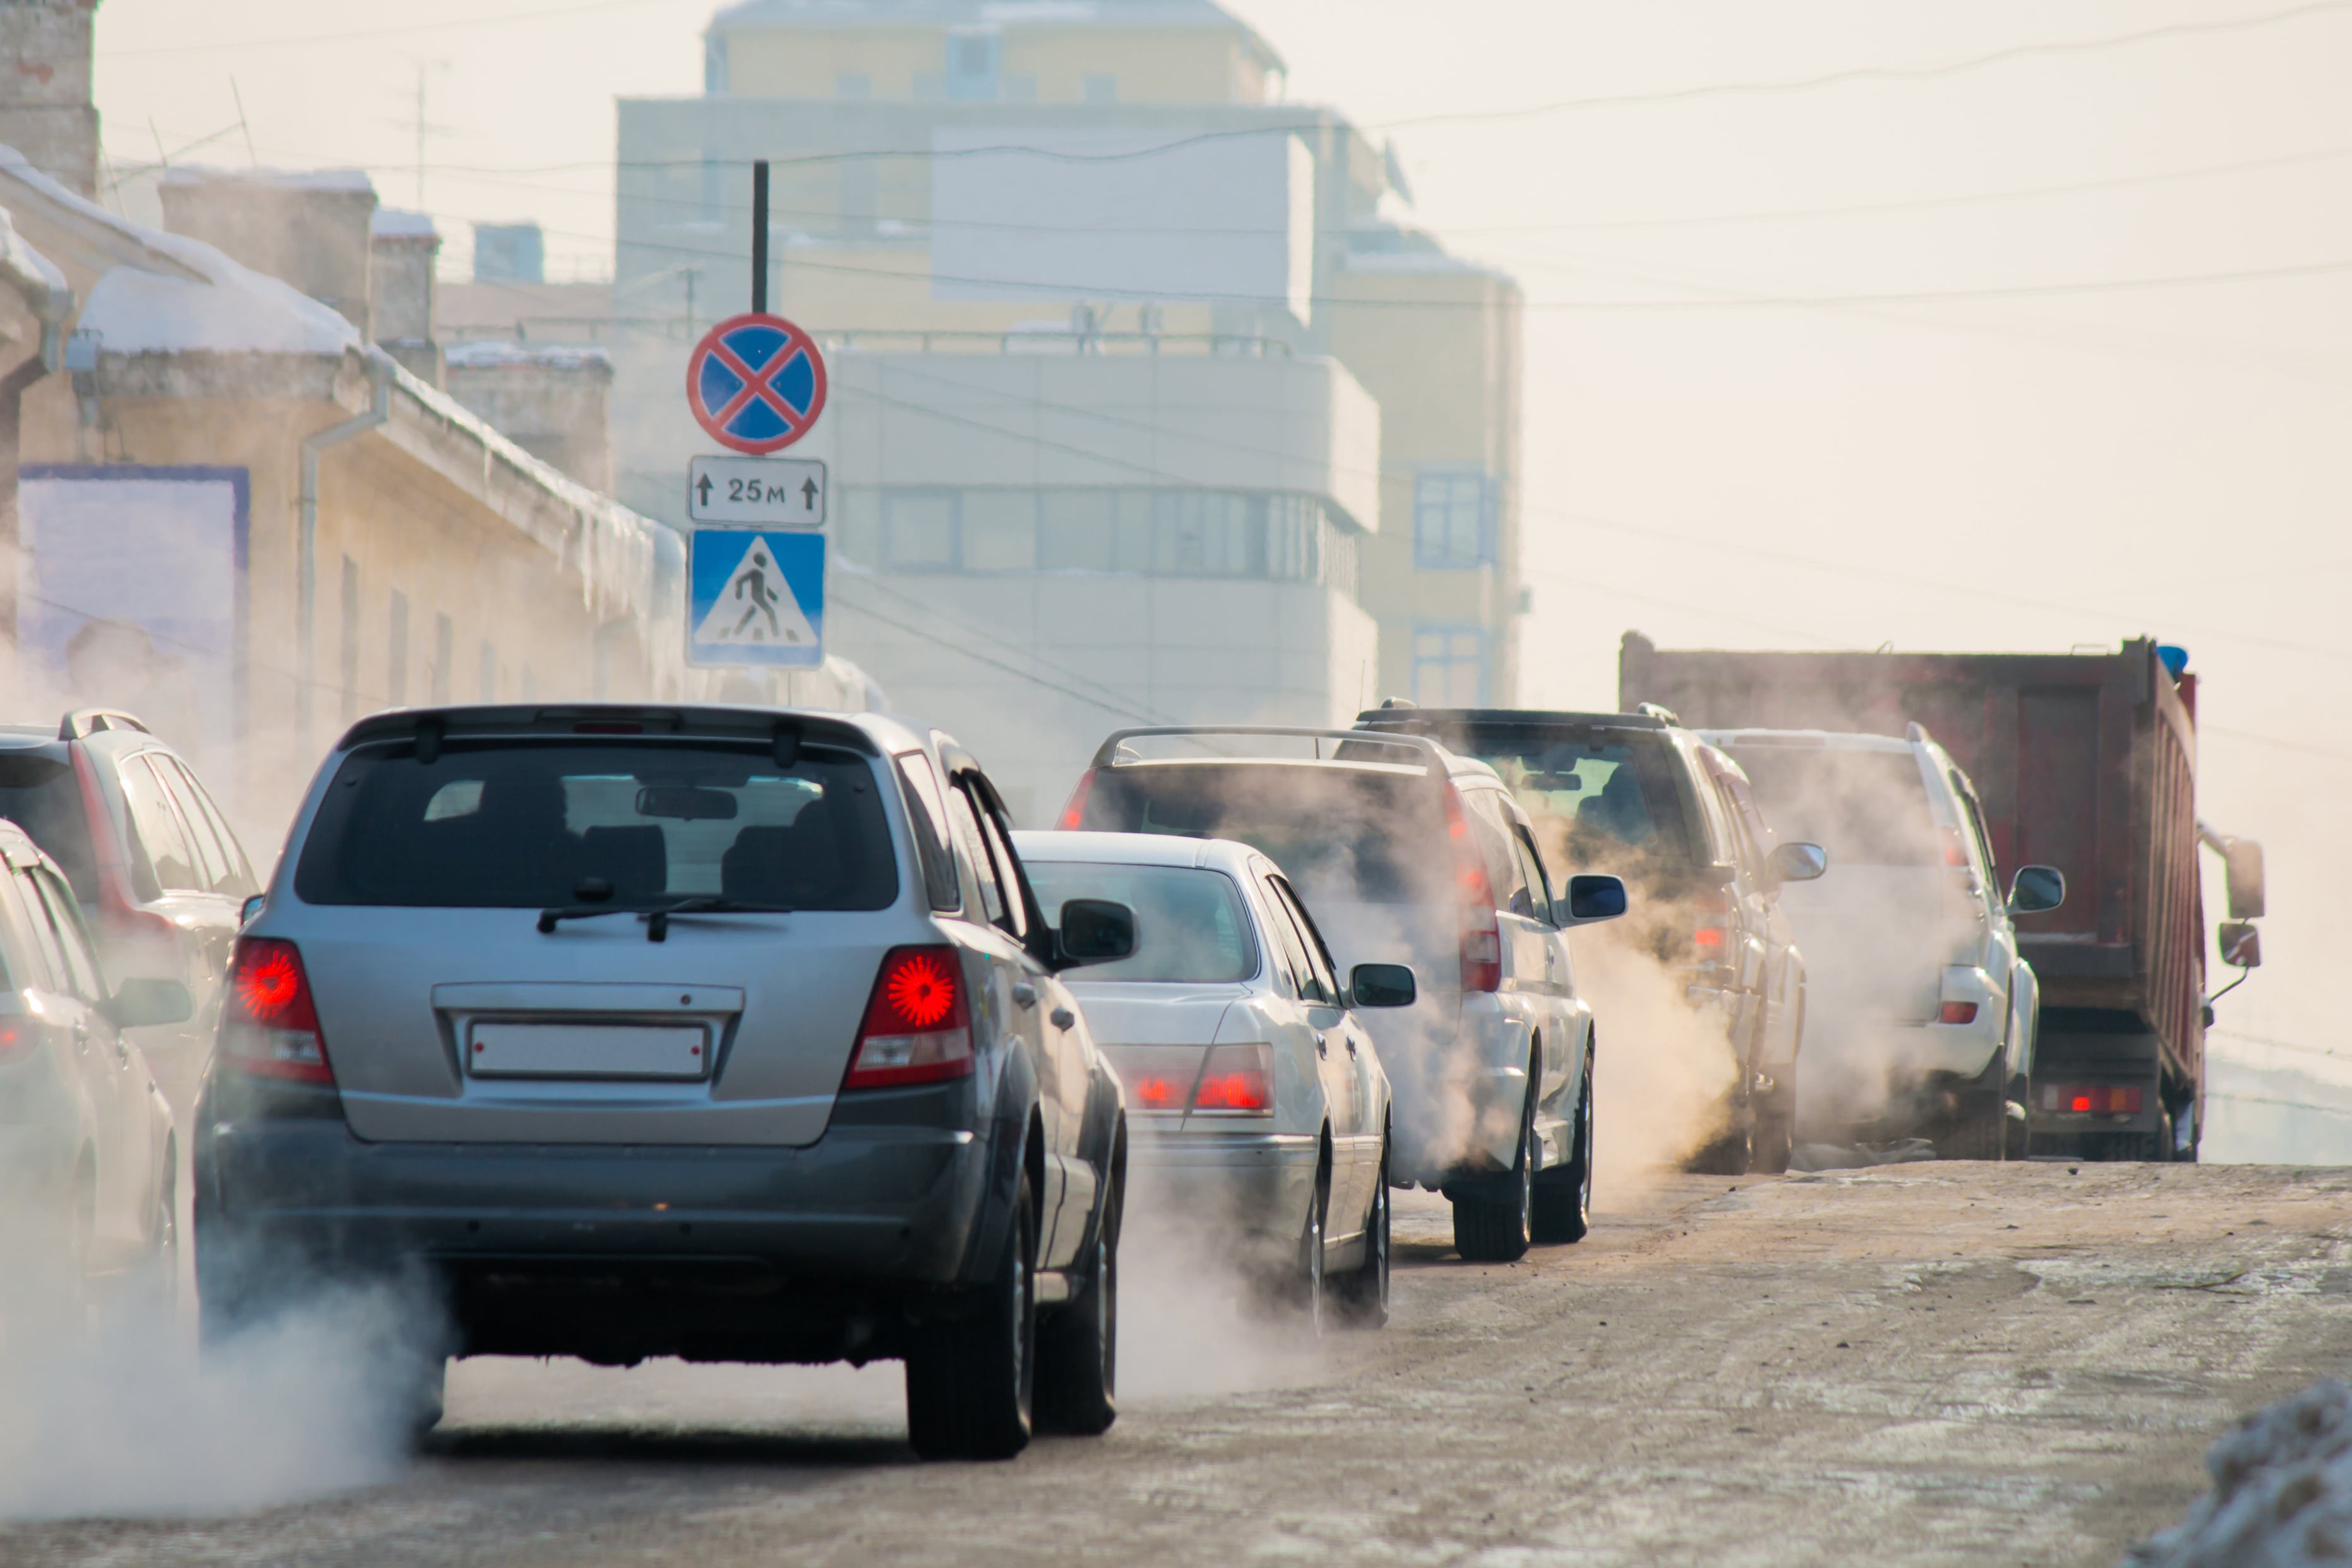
x=1638 y=795
x=1921 y=1015
x=88 y=1161
x=157 y=872
x=1255 y=1096
x=1412 y=855
x=723 y=1033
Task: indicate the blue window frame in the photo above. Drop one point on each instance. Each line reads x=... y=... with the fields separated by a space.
x=1449 y=666
x=975 y=60
x=1453 y=525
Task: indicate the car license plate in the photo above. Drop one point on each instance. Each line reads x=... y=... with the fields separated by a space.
x=586 y=1051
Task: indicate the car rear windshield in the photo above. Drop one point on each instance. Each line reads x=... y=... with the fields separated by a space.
x=40 y=795
x=1610 y=793
x=1866 y=808
x=525 y=824
x=1190 y=924
x=1354 y=833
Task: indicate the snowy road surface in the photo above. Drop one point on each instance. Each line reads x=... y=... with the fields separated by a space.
x=1917 y=1365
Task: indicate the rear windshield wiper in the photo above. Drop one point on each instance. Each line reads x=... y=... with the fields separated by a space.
x=658 y=917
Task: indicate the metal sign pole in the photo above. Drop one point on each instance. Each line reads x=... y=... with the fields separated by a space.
x=760 y=237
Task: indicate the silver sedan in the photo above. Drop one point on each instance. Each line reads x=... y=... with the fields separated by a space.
x=1255 y=1098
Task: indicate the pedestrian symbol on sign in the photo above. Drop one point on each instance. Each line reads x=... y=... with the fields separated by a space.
x=756 y=607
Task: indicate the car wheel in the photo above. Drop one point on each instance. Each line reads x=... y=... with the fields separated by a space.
x=1776 y=1133
x=1492 y=1227
x=1309 y=1287
x=1562 y=1209
x=971 y=1381
x=1077 y=1348
x=1363 y=1296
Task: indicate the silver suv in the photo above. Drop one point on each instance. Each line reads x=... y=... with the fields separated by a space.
x=728 y=1034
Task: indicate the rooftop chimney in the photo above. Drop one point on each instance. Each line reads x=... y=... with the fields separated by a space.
x=401 y=289
x=47 y=110
x=312 y=229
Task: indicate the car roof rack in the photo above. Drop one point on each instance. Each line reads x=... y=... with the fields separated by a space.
x=1114 y=751
x=85 y=722
x=1665 y=716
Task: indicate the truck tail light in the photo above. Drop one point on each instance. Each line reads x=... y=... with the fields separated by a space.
x=1482 y=936
x=2099 y=1099
x=1074 y=815
x=1237 y=1080
x=916 y=1029
x=269 y=1022
x=1956 y=1012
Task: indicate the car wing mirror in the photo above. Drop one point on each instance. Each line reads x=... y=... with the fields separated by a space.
x=2036 y=888
x=1096 y=931
x=1797 y=862
x=2240 y=944
x=138 y=1003
x=1593 y=898
x=249 y=908
x=1381 y=986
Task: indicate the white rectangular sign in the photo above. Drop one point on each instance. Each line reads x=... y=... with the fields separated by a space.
x=766 y=492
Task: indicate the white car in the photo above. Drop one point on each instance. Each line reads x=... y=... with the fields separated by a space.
x=1919 y=1014
x=1255 y=1098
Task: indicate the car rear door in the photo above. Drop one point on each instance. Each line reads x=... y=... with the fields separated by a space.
x=1346 y=1056
x=115 y=1085
x=1308 y=1023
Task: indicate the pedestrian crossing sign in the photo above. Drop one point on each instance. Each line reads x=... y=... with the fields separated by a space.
x=755 y=597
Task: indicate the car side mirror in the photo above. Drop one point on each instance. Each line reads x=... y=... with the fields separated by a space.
x=2036 y=888
x=249 y=908
x=138 y=1003
x=1096 y=931
x=1381 y=986
x=2241 y=864
x=1593 y=898
x=2240 y=944
x=1797 y=862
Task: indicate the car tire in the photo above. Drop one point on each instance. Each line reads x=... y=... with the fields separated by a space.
x=971 y=1381
x=155 y=1284
x=1361 y=1297
x=1077 y=1348
x=1776 y=1133
x=1562 y=1207
x=1982 y=1132
x=1493 y=1226
x=1309 y=1287
x=1729 y=1153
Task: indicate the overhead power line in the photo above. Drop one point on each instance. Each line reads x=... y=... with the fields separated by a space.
x=406 y=30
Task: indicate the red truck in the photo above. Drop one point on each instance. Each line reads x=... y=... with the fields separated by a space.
x=2086 y=762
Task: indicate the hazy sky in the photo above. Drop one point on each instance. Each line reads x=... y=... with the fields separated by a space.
x=2033 y=470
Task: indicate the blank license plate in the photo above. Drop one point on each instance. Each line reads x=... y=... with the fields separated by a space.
x=593 y=1051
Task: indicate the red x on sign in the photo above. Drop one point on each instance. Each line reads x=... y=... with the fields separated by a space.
x=756 y=383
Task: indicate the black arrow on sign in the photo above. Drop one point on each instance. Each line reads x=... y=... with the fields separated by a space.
x=808 y=493
x=703 y=485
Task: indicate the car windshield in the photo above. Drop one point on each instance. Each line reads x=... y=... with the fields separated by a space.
x=40 y=795
x=1866 y=808
x=1189 y=923
x=1351 y=834
x=531 y=824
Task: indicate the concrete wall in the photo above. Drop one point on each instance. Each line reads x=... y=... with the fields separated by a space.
x=555 y=404
x=1035 y=63
x=314 y=230
x=45 y=108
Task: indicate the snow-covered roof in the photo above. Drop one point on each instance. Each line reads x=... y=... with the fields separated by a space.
x=495 y=352
x=393 y=223
x=28 y=268
x=990 y=12
x=352 y=180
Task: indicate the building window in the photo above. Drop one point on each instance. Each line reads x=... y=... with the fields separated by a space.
x=445 y=651
x=1449 y=666
x=853 y=84
x=1099 y=87
x=918 y=530
x=1450 y=519
x=395 y=673
x=997 y=531
x=973 y=60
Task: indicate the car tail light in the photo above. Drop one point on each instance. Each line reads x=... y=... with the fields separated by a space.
x=1482 y=938
x=1711 y=933
x=18 y=1036
x=1956 y=1012
x=1956 y=852
x=2096 y=1098
x=1075 y=814
x=1237 y=1080
x=270 y=1024
x=917 y=1029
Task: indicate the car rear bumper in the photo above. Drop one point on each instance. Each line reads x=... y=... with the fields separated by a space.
x=610 y=1253
x=1256 y=1183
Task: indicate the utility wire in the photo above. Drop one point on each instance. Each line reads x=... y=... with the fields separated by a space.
x=406 y=30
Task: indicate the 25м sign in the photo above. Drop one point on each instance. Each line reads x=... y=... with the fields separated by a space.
x=772 y=492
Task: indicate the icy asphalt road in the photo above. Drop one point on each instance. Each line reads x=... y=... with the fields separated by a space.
x=1919 y=1364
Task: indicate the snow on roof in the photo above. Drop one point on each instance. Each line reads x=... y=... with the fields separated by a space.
x=25 y=267
x=354 y=180
x=495 y=352
x=393 y=223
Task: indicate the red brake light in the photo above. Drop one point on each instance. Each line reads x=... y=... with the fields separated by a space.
x=1074 y=815
x=270 y=1024
x=917 y=1029
x=17 y=1037
x=1708 y=937
x=2100 y=1098
x=1956 y=1012
x=1482 y=938
x=1956 y=852
x=1237 y=1080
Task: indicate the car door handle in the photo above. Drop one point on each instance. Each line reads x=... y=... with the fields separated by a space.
x=1025 y=994
x=1062 y=1018
x=1351 y=1045
x=1322 y=1046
